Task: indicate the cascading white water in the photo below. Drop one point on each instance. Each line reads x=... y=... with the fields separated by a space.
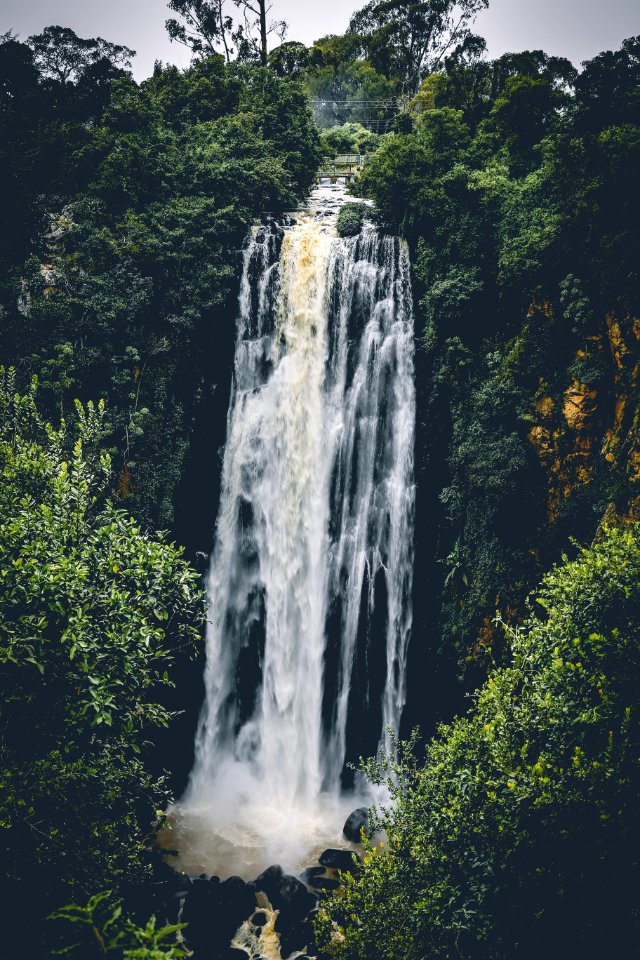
x=310 y=579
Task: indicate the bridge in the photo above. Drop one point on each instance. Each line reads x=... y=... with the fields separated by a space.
x=345 y=167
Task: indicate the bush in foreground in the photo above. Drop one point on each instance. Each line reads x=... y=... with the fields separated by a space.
x=518 y=835
x=92 y=612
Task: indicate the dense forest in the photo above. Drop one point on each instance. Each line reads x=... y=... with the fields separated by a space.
x=125 y=206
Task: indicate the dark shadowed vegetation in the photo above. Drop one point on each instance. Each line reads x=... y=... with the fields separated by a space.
x=124 y=210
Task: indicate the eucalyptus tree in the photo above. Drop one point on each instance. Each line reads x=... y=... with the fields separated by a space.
x=255 y=32
x=208 y=27
x=62 y=55
x=204 y=26
x=406 y=40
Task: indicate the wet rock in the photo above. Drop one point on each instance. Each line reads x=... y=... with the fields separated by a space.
x=182 y=887
x=325 y=883
x=293 y=936
x=308 y=875
x=355 y=822
x=285 y=893
x=213 y=912
x=338 y=859
x=269 y=880
x=238 y=898
x=295 y=899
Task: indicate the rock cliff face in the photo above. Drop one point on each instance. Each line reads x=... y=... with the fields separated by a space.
x=590 y=433
x=532 y=440
x=586 y=438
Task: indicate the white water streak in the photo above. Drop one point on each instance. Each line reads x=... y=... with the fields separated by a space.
x=316 y=511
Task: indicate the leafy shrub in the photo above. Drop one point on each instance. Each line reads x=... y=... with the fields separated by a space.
x=349 y=138
x=93 y=613
x=350 y=219
x=518 y=835
x=101 y=930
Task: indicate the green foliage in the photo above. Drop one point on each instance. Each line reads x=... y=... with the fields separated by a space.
x=351 y=218
x=93 y=613
x=101 y=930
x=125 y=235
x=207 y=28
x=349 y=138
x=62 y=55
x=515 y=190
x=404 y=39
x=347 y=89
x=518 y=833
x=202 y=27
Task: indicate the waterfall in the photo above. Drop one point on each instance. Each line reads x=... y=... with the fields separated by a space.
x=310 y=579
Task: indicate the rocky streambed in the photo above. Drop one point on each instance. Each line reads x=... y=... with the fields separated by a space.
x=269 y=918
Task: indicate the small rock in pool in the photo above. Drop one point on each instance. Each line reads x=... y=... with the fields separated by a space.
x=325 y=883
x=338 y=859
x=355 y=822
x=307 y=875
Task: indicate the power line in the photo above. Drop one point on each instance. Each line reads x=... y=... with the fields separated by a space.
x=353 y=103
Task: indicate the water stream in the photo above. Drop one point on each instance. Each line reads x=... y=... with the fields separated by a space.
x=310 y=578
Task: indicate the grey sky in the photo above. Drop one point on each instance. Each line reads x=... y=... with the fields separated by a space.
x=577 y=29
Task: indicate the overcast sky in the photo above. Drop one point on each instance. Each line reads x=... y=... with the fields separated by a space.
x=577 y=29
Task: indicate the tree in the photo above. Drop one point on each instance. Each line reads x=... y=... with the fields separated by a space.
x=100 y=929
x=94 y=613
x=18 y=73
x=290 y=59
x=350 y=91
x=63 y=55
x=406 y=40
x=608 y=89
x=205 y=27
x=255 y=34
x=519 y=834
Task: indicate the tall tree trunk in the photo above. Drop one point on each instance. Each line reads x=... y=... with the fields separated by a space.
x=263 y=32
x=223 y=32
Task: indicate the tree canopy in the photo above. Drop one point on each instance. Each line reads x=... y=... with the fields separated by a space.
x=62 y=55
x=404 y=39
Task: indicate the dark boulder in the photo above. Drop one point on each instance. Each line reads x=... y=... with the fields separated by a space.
x=213 y=912
x=338 y=859
x=238 y=897
x=325 y=883
x=293 y=897
x=307 y=875
x=355 y=822
x=293 y=936
x=269 y=880
x=285 y=893
x=290 y=897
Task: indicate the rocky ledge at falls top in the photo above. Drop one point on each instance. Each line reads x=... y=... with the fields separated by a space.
x=270 y=918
